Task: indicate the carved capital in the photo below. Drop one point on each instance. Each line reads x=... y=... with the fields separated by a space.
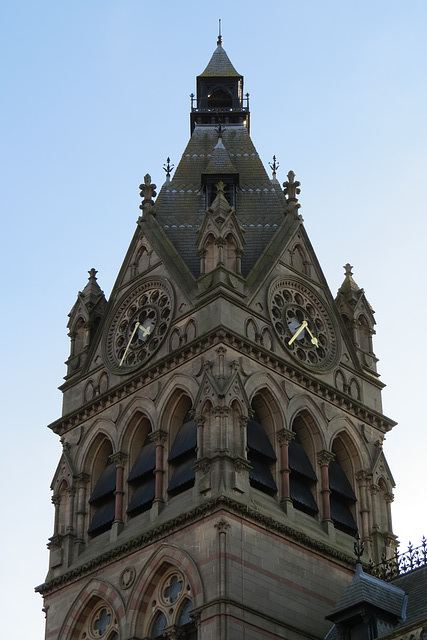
x=83 y=478
x=285 y=436
x=222 y=526
x=119 y=458
x=159 y=437
x=325 y=457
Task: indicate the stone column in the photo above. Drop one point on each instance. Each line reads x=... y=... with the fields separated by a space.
x=82 y=481
x=119 y=459
x=56 y=501
x=362 y=479
x=324 y=458
x=159 y=437
x=285 y=437
x=223 y=528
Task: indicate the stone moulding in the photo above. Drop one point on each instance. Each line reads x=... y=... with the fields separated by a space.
x=208 y=508
x=245 y=347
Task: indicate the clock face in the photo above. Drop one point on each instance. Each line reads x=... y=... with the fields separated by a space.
x=140 y=323
x=302 y=323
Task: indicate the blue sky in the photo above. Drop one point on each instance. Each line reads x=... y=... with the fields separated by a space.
x=96 y=93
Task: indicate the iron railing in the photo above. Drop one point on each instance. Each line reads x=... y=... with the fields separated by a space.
x=401 y=563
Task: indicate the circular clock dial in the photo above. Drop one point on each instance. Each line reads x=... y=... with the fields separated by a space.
x=302 y=323
x=140 y=323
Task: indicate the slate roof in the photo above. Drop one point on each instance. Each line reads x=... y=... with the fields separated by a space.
x=366 y=589
x=180 y=205
x=415 y=585
x=219 y=65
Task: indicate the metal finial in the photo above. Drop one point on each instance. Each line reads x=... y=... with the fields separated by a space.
x=358 y=549
x=274 y=166
x=168 y=167
x=220 y=130
x=219 y=41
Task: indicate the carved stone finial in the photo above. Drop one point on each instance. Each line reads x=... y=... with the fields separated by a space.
x=291 y=187
x=274 y=166
x=220 y=187
x=348 y=269
x=358 y=549
x=92 y=274
x=148 y=192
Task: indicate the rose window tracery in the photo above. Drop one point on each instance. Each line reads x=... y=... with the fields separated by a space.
x=302 y=323
x=140 y=323
x=171 y=607
x=102 y=623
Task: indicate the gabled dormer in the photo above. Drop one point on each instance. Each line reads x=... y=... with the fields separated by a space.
x=219 y=97
x=220 y=239
x=369 y=608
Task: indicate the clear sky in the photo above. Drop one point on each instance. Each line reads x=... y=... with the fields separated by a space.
x=95 y=94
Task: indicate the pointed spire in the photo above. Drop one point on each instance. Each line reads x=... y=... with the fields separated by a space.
x=92 y=291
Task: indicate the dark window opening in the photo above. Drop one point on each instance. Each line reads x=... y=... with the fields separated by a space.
x=183 y=456
x=142 y=480
x=261 y=456
x=302 y=479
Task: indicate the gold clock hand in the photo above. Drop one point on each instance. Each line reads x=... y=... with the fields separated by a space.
x=146 y=331
x=130 y=340
x=313 y=339
x=296 y=334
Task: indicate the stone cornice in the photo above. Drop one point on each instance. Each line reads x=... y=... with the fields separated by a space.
x=208 y=508
x=305 y=379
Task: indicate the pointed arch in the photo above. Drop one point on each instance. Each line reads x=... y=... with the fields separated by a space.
x=210 y=251
x=103 y=382
x=190 y=330
x=354 y=389
x=230 y=252
x=93 y=597
x=342 y=482
x=78 y=332
x=365 y=334
x=181 y=430
x=89 y=392
x=166 y=559
x=175 y=339
x=340 y=382
x=251 y=329
x=303 y=453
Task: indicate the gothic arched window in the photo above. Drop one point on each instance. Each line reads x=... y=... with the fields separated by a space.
x=342 y=499
x=182 y=456
x=302 y=479
x=172 y=606
x=261 y=456
x=100 y=623
x=141 y=479
x=102 y=498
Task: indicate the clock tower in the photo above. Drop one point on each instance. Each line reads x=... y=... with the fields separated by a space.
x=222 y=424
